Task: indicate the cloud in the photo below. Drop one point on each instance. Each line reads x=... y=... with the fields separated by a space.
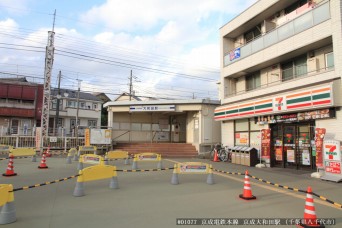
x=18 y=7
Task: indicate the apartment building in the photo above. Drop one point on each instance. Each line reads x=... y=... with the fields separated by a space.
x=281 y=68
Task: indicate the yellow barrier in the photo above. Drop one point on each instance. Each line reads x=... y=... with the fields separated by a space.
x=192 y=168
x=117 y=154
x=72 y=153
x=7 y=211
x=5 y=149
x=147 y=157
x=93 y=173
x=87 y=150
x=90 y=159
x=23 y=152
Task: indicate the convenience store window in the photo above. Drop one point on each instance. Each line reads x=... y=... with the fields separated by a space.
x=247 y=133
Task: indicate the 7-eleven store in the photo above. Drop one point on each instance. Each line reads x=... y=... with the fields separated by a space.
x=291 y=119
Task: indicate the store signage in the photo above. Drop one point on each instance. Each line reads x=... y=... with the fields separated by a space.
x=152 y=108
x=319 y=137
x=314 y=98
x=235 y=54
x=297 y=117
x=265 y=143
x=332 y=160
x=290 y=156
x=333 y=167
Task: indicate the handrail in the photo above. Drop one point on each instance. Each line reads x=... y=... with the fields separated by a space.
x=121 y=135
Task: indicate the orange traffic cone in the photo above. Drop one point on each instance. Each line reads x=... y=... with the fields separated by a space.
x=48 y=152
x=310 y=219
x=216 y=159
x=10 y=169
x=43 y=163
x=247 y=190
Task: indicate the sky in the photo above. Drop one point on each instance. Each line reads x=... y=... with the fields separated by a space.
x=171 y=48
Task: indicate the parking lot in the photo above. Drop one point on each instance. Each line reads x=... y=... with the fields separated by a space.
x=148 y=199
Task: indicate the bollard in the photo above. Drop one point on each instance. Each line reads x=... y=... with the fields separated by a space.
x=135 y=165
x=160 y=165
x=79 y=189
x=7 y=211
x=126 y=161
x=68 y=160
x=114 y=184
x=174 y=179
x=80 y=165
x=34 y=158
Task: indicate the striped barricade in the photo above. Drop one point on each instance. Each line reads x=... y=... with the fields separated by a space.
x=117 y=154
x=192 y=168
x=24 y=152
x=93 y=173
x=92 y=159
x=143 y=157
x=5 y=149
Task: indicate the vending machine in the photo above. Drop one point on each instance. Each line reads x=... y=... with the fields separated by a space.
x=332 y=160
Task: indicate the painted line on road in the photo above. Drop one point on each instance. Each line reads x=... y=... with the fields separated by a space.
x=268 y=187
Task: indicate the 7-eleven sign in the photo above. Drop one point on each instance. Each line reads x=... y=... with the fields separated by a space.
x=332 y=150
x=279 y=104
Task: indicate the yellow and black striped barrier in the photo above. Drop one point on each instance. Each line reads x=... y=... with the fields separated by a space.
x=142 y=170
x=46 y=183
x=284 y=186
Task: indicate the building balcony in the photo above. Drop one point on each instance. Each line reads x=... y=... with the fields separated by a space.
x=289 y=84
x=306 y=21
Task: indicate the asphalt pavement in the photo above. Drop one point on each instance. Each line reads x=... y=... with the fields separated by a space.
x=148 y=199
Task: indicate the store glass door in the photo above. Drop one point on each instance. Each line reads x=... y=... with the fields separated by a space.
x=290 y=135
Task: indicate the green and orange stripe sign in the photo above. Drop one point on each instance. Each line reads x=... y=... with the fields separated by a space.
x=314 y=98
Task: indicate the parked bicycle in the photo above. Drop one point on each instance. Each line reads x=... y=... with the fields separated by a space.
x=223 y=152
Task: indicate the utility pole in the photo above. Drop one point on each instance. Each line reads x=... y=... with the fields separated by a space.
x=57 y=103
x=49 y=55
x=78 y=108
x=130 y=86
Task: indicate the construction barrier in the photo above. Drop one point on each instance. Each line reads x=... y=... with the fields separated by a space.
x=93 y=173
x=72 y=153
x=117 y=154
x=147 y=157
x=24 y=151
x=92 y=159
x=7 y=209
x=5 y=149
x=87 y=150
x=192 y=168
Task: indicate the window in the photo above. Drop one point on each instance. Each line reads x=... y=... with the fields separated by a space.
x=82 y=105
x=72 y=104
x=252 y=34
x=92 y=123
x=95 y=106
x=329 y=60
x=294 y=68
x=54 y=104
x=253 y=81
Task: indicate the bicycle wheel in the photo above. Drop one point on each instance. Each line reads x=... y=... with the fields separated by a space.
x=223 y=155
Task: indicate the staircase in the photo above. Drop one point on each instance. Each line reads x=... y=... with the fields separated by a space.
x=168 y=150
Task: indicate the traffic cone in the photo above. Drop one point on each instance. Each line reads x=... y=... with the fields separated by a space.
x=216 y=159
x=48 y=152
x=247 y=190
x=43 y=163
x=10 y=168
x=310 y=219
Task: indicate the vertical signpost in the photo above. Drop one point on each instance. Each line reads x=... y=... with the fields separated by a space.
x=332 y=160
x=266 y=145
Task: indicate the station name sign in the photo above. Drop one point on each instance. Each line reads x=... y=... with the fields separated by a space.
x=152 y=108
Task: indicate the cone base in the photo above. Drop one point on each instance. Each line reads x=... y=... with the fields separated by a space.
x=308 y=226
x=42 y=167
x=247 y=198
x=9 y=175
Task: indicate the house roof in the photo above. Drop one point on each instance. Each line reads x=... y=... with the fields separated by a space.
x=73 y=94
x=161 y=102
x=17 y=81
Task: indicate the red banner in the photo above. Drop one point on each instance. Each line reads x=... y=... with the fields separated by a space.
x=265 y=143
x=319 y=137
